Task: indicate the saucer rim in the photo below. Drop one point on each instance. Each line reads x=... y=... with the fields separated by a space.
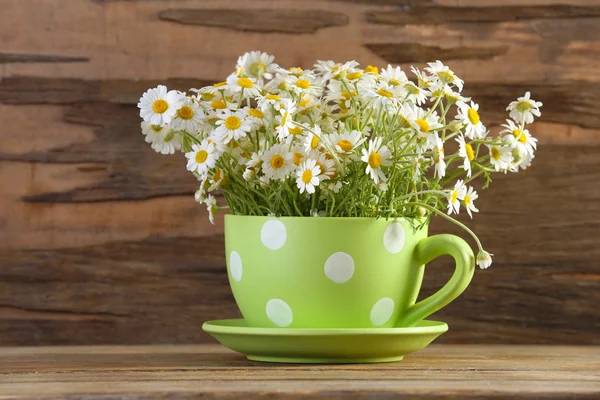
x=215 y=326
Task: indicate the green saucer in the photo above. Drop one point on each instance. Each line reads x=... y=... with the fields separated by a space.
x=324 y=346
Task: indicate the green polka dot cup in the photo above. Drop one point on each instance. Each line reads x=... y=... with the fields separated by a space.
x=303 y=272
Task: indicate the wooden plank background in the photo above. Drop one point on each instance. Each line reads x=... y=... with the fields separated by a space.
x=100 y=238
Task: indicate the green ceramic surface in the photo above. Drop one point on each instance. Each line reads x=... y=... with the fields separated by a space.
x=302 y=272
x=323 y=346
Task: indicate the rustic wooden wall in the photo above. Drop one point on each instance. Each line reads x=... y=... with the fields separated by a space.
x=100 y=238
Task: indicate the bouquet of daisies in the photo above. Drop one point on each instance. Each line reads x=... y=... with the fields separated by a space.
x=337 y=140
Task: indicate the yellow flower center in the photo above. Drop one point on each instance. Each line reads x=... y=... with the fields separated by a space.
x=296 y=71
x=218 y=104
x=346 y=95
x=438 y=93
x=169 y=136
x=307 y=176
x=284 y=118
x=345 y=145
x=272 y=97
x=371 y=69
x=277 y=161
x=160 y=106
x=520 y=136
x=412 y=89
x=303 y=83
x=454 y=196
x=245 y=83
x=156 y=128
x=473 y=116
x=232 y=123
x=201 y=156
x=467 y=199
x=385 y=93
x=374 y=160
x=495 y=153
x=295 y=130
x=220 y=84
x=298 y=158
x=185 y=112
x=424 y=125
x=394 y=82
x=446 y=76
x=256 y=113
x=217 y=176
x=314 y=142
x=354 y=75
x=304 y=102
x=523 y=106
x=470 y=152
x=257 y=69
x=403 y=121
x=207 y=96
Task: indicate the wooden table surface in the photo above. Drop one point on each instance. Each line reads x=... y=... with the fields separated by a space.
x=439 y=371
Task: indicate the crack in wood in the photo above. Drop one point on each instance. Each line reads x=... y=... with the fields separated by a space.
x=435 y=15
x=13 y=312
x=267 y=20
x=402 y=53
x=8 y=58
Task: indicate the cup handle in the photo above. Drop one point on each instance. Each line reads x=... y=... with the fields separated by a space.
x=428 y=249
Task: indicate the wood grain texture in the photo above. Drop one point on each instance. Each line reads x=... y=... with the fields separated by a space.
x=259 y=20
x=183 y=372
x=102 y=242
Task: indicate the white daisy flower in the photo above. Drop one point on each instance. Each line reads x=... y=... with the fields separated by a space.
x=327 y=69
x=188 y=117
x=158 y=107
x=232 y=125
x=202 y=157
x=423 y=123
x=417 y=164
x=214 y=89
x=238 y=84
x=469 y=116
x=257 y=65
x=438 y=156
x=465 y=151
x=327 y=166
x=520 y=139
x=484 y=259
x=312 y=142
x=414 y=93
x=393 y=76
x=500 y=157
x=376 y=156
x=304 y=85
x=444 y=74
x=163 y=140
x=383 y=95
x=346 y=142
x=298 y=154
x=524 y=109
x=269 y=100
x=308 y=176
x=455 y=195
x=211 y=207
x=248 y=174
x=468 y=199
x=288 y=108
x=423 y=81
x=277 y=162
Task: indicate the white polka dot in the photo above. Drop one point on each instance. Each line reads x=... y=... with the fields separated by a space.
x=235 y=266
x=382 y=311
x=339 y=267
x=393 y=238
x=279 y=312
x=273 y=234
